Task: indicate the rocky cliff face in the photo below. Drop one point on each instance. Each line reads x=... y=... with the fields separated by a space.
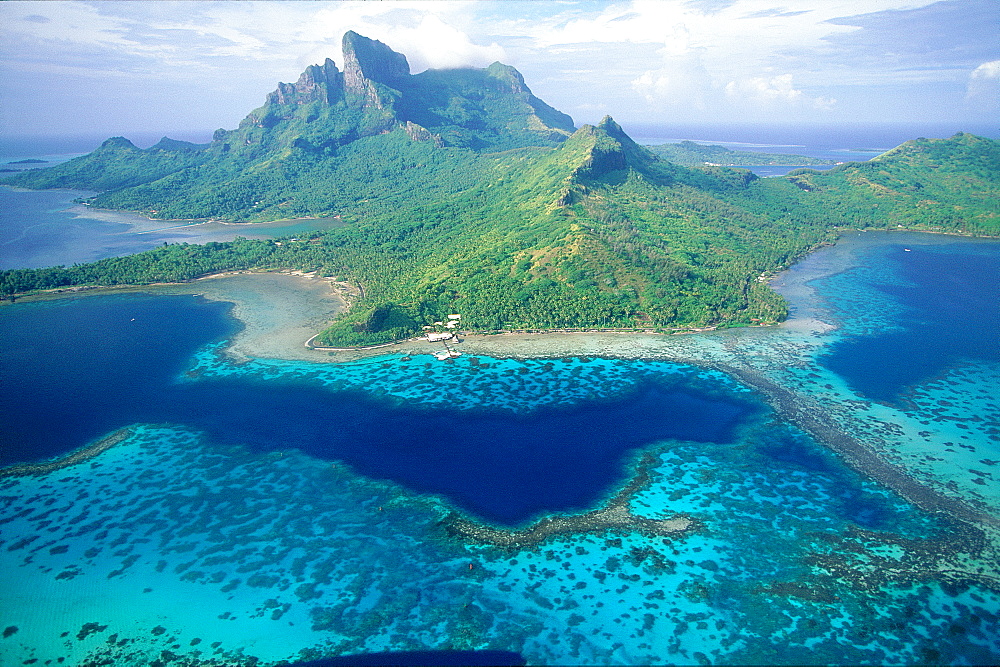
x=369 y=61
x=373 y=74
x=317 y=83
x=375 y=93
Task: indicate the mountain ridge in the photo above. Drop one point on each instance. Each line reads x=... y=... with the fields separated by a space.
x=463 y=192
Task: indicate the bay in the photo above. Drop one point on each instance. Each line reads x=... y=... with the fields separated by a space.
x=75 y=369
x=47 y=228
x=949 y=313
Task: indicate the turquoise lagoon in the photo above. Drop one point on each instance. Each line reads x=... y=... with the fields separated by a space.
x=207 y=536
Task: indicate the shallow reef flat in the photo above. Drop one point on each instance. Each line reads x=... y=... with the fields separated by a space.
x=824 y=527
x=279 y=311
x=164 y=543
x=168 y=543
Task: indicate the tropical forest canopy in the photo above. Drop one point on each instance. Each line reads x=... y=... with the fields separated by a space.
x=464 y=193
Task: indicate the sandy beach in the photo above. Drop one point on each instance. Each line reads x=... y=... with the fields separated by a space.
x=279 y=311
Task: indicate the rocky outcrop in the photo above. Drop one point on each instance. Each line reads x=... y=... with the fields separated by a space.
x=375 y=93
x=603 y=155
x=368 y=60
x=370 y=69
x=606 y=148
x=118 y=142
x=317 y=83
x=420 y=133
x=543 y=117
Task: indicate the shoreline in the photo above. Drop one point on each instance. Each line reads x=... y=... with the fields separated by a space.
x=280 y=340
x=190 y=222
x=280 y=325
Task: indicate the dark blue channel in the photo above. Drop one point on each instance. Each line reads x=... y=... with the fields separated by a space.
x=792 y=450
x=75 y=370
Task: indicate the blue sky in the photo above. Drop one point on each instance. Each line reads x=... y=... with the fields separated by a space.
x=109 y=68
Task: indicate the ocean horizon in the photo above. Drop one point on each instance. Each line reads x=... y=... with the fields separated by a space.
x=811 y=139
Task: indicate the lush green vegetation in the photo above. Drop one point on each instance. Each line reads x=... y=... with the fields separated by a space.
x=948 y=185
x=463 y=194
x=116 y=165
x=691 y=154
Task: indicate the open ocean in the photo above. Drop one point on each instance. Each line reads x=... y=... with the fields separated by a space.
x=286 y=510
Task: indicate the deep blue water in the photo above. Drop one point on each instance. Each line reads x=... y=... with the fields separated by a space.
x=77 y=369
x=74 y=369
x=951 y=313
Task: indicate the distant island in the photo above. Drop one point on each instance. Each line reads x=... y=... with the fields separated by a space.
x=29 y=161
x=462 y=192
x=691 y=154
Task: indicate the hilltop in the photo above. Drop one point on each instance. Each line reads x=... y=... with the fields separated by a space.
x=324 y=143
x=465 y=193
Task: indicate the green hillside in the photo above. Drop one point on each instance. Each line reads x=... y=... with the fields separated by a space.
x=691 y=154
x=946 y=185
x=464 y=193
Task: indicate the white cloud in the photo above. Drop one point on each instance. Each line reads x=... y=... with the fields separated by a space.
x=429 y=34
x=652 y=85
x=273 y=34
x=680 y=82
x=62 y=21
x=731 y=42
x=823 y=102
x=431 y=43
x=990 y=70
x=776 y=91
x=638 y=59
x=983 y=89
x=765 y=91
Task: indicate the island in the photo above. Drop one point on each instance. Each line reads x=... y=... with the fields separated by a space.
x=462 y=192
x=693 y=154
x=551 y=257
